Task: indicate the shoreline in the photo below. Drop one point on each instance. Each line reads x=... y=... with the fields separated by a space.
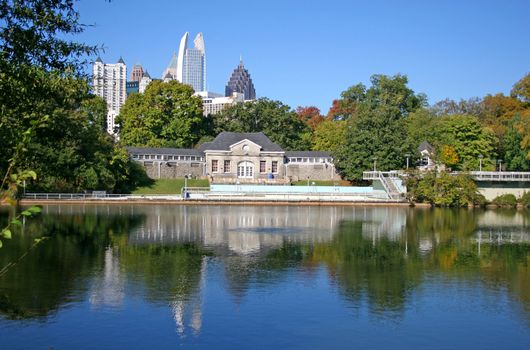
x=219 y=202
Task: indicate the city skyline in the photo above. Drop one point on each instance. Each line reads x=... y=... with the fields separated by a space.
x=450 y=49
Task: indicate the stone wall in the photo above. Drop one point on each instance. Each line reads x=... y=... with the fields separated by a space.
x=230 y=175
x=321 y=172
x=172 y=170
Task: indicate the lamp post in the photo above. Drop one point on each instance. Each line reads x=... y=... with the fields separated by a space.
x=185 y=192
x=480 y=156
x=375 y=163
x=408 y=156
x=500 y=164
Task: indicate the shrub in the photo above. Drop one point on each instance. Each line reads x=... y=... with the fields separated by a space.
x=444 y=190
x=506 y=201
x=525 y=200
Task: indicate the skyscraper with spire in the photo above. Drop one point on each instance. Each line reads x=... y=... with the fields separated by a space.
x=241 y=82
x=189 y=66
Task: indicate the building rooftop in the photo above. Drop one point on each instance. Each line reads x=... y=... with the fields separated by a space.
x=224 y=140
x=170 y=151
x=425 y=146
x=305 y=154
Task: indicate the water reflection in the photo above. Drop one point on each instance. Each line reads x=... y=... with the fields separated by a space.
x=376 y=256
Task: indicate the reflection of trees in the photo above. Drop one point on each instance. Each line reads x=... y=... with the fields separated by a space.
x=374 y=255
x=166 y=272
x=49 y=276
x=241 y=270
x=378 y=270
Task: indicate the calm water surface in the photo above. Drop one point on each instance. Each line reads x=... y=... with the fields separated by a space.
x=169 y=277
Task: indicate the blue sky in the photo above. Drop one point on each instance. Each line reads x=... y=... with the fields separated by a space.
x=307 y=52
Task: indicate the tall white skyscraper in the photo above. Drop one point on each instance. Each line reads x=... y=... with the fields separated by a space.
x=110 y=84
x=190 y=63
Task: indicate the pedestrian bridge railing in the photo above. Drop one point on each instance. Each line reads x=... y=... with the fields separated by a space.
x=500 y=176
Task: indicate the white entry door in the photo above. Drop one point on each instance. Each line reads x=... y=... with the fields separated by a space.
x=245 y=169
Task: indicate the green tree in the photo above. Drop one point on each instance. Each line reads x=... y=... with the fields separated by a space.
x=375 y=133
x=444 y=190
x=45 y=95
x=330 y=135
x=165 y=115
x=36 y=53
x=377 y=128
x=521 y=89
x=515 y=155
x=465 y=135
x=275 y=119
x=391 y=92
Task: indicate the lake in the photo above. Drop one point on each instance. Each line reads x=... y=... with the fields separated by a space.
x=264 y=277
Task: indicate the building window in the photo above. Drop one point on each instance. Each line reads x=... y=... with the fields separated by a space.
x=274 y=166
x=226 y=166
x=262 y=166
x=245 y=169
x=214 y=165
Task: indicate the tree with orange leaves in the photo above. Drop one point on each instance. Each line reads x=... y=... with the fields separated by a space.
x=310 y=115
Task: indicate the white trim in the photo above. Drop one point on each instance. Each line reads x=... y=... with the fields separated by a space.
x=244 y=140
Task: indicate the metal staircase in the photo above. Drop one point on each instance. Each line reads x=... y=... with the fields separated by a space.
x=387 y=180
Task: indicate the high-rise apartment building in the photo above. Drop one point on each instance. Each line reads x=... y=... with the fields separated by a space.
x=189 y=67
x=109 y=82
x=241 y=82
x=136 y=73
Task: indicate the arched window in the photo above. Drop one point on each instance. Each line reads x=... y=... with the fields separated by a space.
x=245 y=169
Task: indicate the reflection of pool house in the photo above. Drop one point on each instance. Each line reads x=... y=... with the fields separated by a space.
x=237 y=158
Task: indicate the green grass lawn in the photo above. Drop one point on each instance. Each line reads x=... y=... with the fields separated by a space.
x=321 y=183
x=169 y=186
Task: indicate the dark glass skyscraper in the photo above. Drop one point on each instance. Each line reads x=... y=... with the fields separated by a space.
x=240 y=82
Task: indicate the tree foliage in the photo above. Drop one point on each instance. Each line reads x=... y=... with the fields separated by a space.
x=473 y=106
x=310 y=115
x=330 y=135
x=377 y=128
x=45 y=94
x=281 y=124
x=165 y=115
x=464 y=136
x=444 y=190
x=521 y=89
x=374 y=133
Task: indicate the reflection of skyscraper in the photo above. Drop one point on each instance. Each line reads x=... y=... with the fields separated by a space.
x=241 y=82
x=108 y=288
x=189 y=67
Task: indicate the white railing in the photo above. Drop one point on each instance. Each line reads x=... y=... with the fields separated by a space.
x=375 y=175
x=387 y=180
x=500 y=176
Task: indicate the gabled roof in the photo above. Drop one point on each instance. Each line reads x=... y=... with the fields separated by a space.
x=146 y=75
x=224 y=140
x=99 y=60
x=312 y=154
x=171 y=151
x=121 y=60
x=425 y=146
